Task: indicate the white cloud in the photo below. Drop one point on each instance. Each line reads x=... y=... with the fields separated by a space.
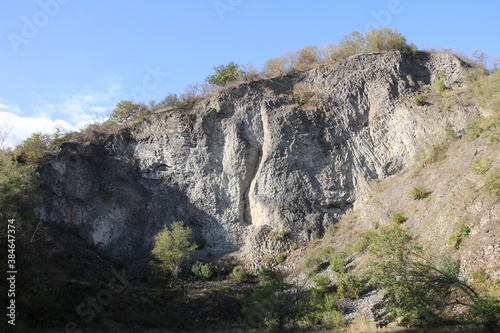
x=21 y=127
x=72 y=113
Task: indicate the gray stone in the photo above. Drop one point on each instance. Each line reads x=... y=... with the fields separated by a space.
x=248 y=160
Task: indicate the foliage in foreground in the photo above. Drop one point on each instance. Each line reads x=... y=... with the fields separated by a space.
x=271 y=304
x=419 y=292
x=278 y=305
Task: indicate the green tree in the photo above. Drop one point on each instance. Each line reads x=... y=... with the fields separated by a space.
x=224 y=74
x=32 y=149
x=17 y=189
x=350 y=286
x=172 y=246
x=387 y=39
x=125 y=110
x=393 y=270
x=272 y=303
x=351 y=44
x=419 y=292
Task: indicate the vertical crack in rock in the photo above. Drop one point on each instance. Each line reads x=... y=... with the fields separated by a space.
x=254 y=165
x=255 y=210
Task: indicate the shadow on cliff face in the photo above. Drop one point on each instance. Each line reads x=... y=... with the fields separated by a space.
x=106 y=201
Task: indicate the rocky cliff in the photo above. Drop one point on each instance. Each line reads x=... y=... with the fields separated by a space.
x=248 y=165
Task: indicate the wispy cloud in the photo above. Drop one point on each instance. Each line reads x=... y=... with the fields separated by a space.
x=21 y=127
x=70 y=112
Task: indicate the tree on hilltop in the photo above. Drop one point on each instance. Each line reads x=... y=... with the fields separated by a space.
x=225 y=74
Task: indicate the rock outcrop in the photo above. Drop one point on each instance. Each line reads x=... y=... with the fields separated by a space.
x=247 y=165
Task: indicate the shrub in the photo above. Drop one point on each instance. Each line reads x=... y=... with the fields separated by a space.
x=398 y=218
x=378 y=40
x=387 y=39
x=321 y=283
x=310 y=264
x=486 y=309
x=350 y=286
x=239 y=274
x=472 y=129
x=420 y=99
x=249 y=73
x=202 y=270
x=440 y=86
x=464 y=231
x=272 y=304
x=333 y=318
x=317 y=235
x=481 y=166
x=487 y=88
x=488 y=127
x=281 y=257
x=492 y=183
x=328 y=251
x=456 y=239
x=419 y=193
x=337 y=262
x=302 y=94
x=361 y=244
x=479 y=276
x=318 y=306
x=451 y=134
x=332 y=229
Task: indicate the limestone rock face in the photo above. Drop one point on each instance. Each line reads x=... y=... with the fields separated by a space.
x=248 y=165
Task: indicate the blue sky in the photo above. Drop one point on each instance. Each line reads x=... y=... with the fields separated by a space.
x=68 y=62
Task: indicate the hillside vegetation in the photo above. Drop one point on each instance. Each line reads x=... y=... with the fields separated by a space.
x=405 y=233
